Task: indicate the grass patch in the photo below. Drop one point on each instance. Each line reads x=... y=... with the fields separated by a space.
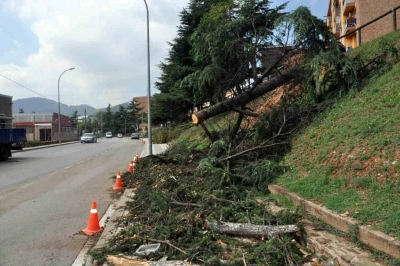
x=348 y=158
x=370 y=49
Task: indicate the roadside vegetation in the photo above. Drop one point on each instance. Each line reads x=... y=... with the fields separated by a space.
x=320 y=122
x=348 y=159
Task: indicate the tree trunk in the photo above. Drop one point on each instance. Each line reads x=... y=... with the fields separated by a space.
x=251 y=230
x=245 y=97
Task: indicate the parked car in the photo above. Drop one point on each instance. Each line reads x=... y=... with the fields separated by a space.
x=109 y=135
x=120 y=135
x=135 y=135
x=88 y=137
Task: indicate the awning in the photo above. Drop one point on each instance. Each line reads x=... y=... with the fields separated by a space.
x=43 y=125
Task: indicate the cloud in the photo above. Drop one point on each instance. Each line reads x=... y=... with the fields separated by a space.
x=105 y=40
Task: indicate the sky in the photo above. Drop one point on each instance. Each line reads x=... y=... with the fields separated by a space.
x=104 y=40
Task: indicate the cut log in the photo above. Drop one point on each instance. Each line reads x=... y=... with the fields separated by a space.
x=251 y=230
x=245 y=97
x=120 y=261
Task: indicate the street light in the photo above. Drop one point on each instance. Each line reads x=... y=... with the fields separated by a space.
x=59 y=117
x=148 y=82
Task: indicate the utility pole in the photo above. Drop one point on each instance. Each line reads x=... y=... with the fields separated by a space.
x=125 y=125
x=101 y=123
x=85 y=120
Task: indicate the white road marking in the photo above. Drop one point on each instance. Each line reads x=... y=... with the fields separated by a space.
x=52 y=173
x=80 y=162
x=27 y=185
x=68 y=167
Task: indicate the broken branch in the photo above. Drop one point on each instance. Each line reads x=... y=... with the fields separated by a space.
x=185 y=204
x=251 y=230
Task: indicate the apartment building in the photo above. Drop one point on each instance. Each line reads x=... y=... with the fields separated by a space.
x=345 y=16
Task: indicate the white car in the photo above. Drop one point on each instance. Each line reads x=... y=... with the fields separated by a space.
x=88 y=137
x=109 y=135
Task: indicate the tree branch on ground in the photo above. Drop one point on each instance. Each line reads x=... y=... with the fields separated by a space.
x=252 y=149
x=251 y=230
x=183 y=204
x=208 y=133
x=236 y=127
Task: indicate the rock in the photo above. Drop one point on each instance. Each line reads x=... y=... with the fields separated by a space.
x=345 y=214
x=347 y=257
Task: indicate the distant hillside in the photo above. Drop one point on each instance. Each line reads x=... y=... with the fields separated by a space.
x=114 y=108
x=42 y=105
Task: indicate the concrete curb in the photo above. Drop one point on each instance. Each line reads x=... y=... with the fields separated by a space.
x=46 y=146
x=375 y=239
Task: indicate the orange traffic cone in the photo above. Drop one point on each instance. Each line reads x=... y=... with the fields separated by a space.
x=93 y=225
x=136 y=157
x=130 y=167
x=118 y=182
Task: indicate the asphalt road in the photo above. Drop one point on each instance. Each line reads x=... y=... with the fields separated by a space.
x=46 y=195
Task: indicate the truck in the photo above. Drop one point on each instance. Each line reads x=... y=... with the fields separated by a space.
x=10 y=138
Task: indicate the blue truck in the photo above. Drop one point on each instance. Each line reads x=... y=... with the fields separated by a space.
x=10 y=138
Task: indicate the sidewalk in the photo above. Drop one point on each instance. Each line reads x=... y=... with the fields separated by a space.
x=46 y=146
x=116 y=209
x=156 y=148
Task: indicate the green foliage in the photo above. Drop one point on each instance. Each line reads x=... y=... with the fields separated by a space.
x=381 y=62
x=172 y=203
x=168 y=133
x=330 y=71
x=170 y=107
x=259 y=173
x=74 y=119
x=177 y=66
x=226 y=42
x=132 y=114
x=218 y=149
x=345 y=157
x=108 y=122
x=309 y=32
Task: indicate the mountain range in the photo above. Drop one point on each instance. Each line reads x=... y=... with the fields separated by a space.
x=42 y=105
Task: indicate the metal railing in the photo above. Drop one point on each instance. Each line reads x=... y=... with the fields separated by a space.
x=358 y=30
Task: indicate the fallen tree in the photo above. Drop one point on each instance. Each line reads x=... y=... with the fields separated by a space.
x=251 y=230
x=247 y=96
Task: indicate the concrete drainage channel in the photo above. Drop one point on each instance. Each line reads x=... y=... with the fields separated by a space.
x=339 y=249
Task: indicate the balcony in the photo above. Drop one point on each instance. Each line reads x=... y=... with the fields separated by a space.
x=328 y=21
x=350 y=25
x=336 y=30
x=348 y=6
